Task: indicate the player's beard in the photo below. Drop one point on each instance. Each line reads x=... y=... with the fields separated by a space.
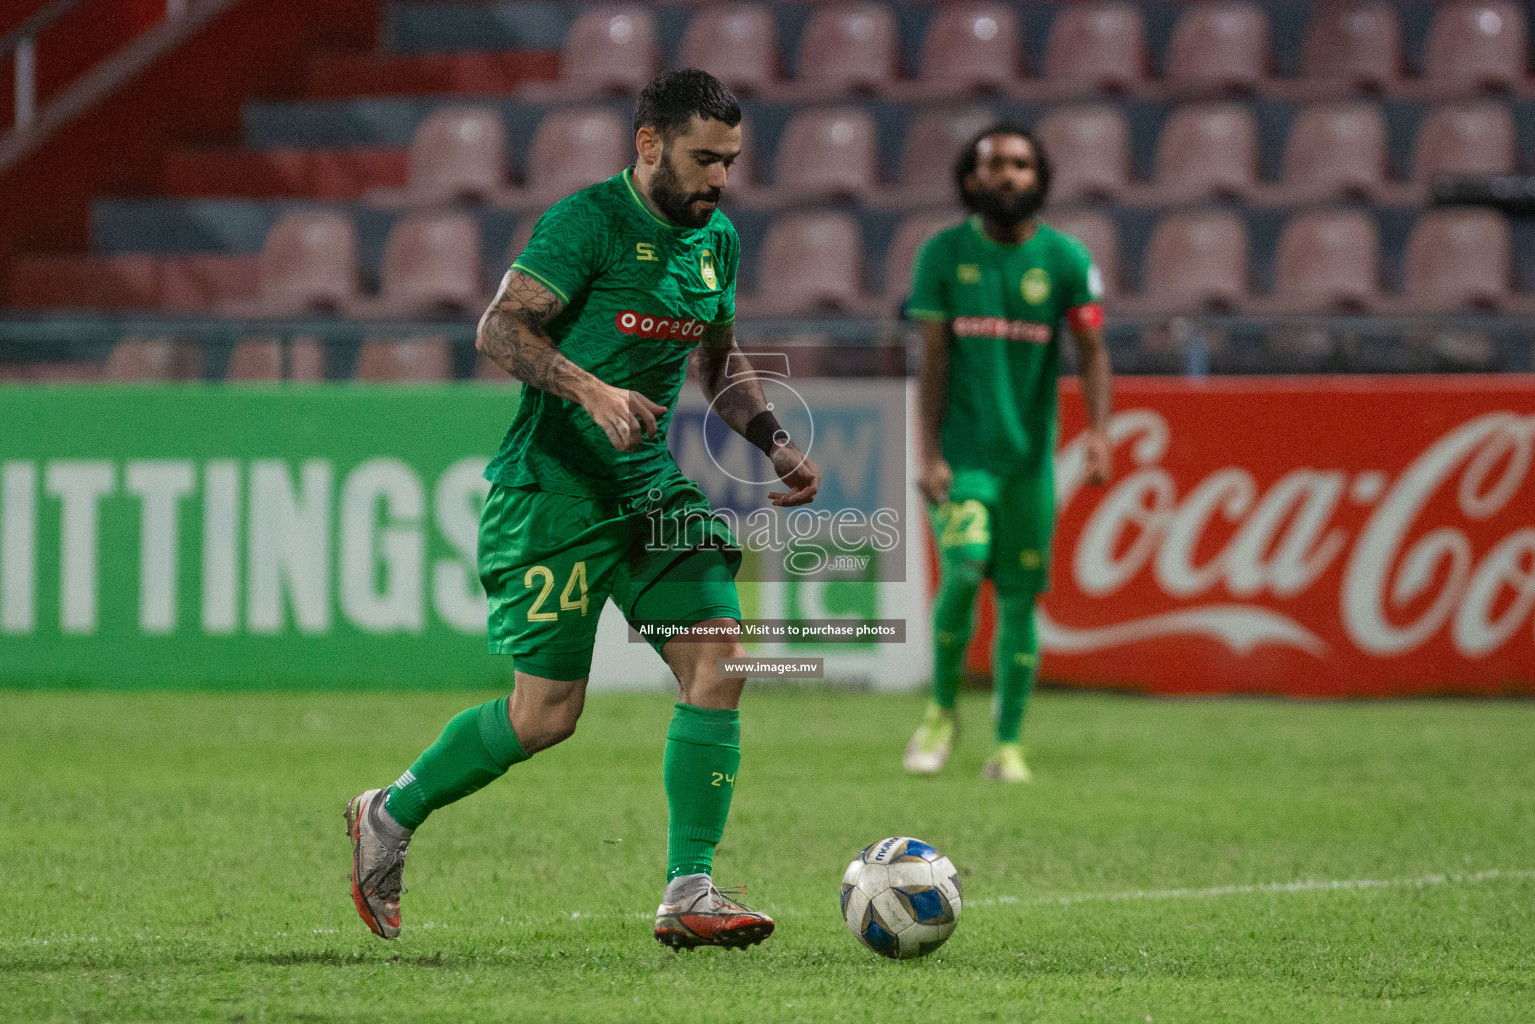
x=667 y=193
x=1007 y=207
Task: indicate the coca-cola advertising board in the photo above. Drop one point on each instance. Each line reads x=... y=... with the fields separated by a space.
x=1308 y=536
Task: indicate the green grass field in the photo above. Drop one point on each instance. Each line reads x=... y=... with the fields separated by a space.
x=182 y=857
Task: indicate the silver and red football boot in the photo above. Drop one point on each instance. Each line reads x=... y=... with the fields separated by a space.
x=378 y=862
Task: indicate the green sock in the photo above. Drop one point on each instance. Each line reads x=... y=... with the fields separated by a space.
x=475 y=749
x=953 y=619
x=1014 y=663
x=703 y=751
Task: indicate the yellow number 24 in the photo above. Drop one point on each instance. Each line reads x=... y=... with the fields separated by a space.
x=569 y=601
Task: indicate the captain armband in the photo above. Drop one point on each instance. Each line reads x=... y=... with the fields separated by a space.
x=1087 y=315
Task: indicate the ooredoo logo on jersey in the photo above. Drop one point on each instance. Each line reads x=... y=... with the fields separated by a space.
x=659 y=328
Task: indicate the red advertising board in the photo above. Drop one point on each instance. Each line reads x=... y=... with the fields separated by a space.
x=1308 y=536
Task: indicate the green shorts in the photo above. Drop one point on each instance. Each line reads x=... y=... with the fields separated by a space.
x=1003 y=522
x=550 y=561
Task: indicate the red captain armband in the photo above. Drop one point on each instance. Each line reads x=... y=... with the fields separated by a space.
x=1085 y=316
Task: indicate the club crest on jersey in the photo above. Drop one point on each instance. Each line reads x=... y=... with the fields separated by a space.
x=661 y=328
x=1035 y=286
x=706 y=268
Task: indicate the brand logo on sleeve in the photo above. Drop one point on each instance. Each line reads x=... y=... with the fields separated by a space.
x=1035 y=286
x=968 y=273
x=706 y=268
x=661 y=328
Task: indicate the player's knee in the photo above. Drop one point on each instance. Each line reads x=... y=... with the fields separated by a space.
x=707 y=681
x=963 y=574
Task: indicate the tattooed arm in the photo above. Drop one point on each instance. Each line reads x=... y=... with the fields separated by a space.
x=512 y=335
x=735 y=394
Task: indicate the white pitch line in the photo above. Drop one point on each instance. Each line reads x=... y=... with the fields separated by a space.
x=1305 y=885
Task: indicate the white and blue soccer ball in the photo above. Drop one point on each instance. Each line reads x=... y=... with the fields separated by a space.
x=901 y=898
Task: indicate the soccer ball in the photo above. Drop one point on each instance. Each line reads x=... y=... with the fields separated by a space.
x=901 y=898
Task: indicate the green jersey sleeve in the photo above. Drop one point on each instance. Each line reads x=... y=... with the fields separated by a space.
x=930 y=283
x=567 y=249
x=1084 y=282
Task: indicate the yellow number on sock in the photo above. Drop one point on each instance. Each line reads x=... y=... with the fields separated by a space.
x=721 y=778
x=577 y=576
x=541 y=572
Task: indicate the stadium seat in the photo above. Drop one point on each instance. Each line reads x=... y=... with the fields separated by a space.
x=1196 y=262
x=1099 y=46
x=1353 y=45
x=969 y=48
x=207 y=281
x=1464 y=139
x=145 y=360
x=1327 y=261
x=457 y=155
x=1097 y=232
x=1458 y=260
x=307 y=265
x=1218 y=47
x=1475 y=46
x=521 y=237
x=845 y=48
x=901 y=253
x=431 y=267
x=424 y=359
x=736 y=44
x=572 y=149
x=1334 y=151
x=934 y=138
x=68 y=281
x=1089 y=151
x=262 y=359
x=1206 y=150
x=827 y=152
x=608 y=50
x=811 y=263
x=489 y=372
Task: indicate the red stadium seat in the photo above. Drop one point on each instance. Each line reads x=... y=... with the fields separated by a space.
x=933 y=140
x=847 y=48
x=263 y=359
x=1476 y=46
x=457 y=155
x=572 y=149
x=1195 y=262
x=736 y=44
x=308 y=264
x=1354 y=45
x=426 y=359
x=208 y=281
x=1327 y=261
x=431 y=267
x=901 y=253
x=827 y=153
x=1465 y=138
x=146 y=360
x=1097 y=232
x=127 y=281
x=1207 y=150
x=1089 y=151
x=1458 y=260
x=1335 y=151
x=1097 y=46
x=970 y=48
x=1218 y=47
x=811 y=263
x=607 y=50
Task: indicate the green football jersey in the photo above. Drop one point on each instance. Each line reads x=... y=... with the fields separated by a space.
x=639 y=293
x=1006 y=304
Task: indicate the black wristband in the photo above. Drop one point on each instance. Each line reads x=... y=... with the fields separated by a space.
x=763 y=431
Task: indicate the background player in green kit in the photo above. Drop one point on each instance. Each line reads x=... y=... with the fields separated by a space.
x=620 y=285
x=992 y=293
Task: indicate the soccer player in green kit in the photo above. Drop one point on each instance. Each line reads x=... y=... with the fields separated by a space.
x=619 y=286
x=991 y=293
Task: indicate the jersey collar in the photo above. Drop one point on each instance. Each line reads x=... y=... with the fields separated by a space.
x=974 y=220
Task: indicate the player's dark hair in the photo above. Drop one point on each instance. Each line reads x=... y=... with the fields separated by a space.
x=672 y=98
x=969 y=158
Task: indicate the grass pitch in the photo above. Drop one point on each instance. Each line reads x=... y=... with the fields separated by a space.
x=182 y=857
